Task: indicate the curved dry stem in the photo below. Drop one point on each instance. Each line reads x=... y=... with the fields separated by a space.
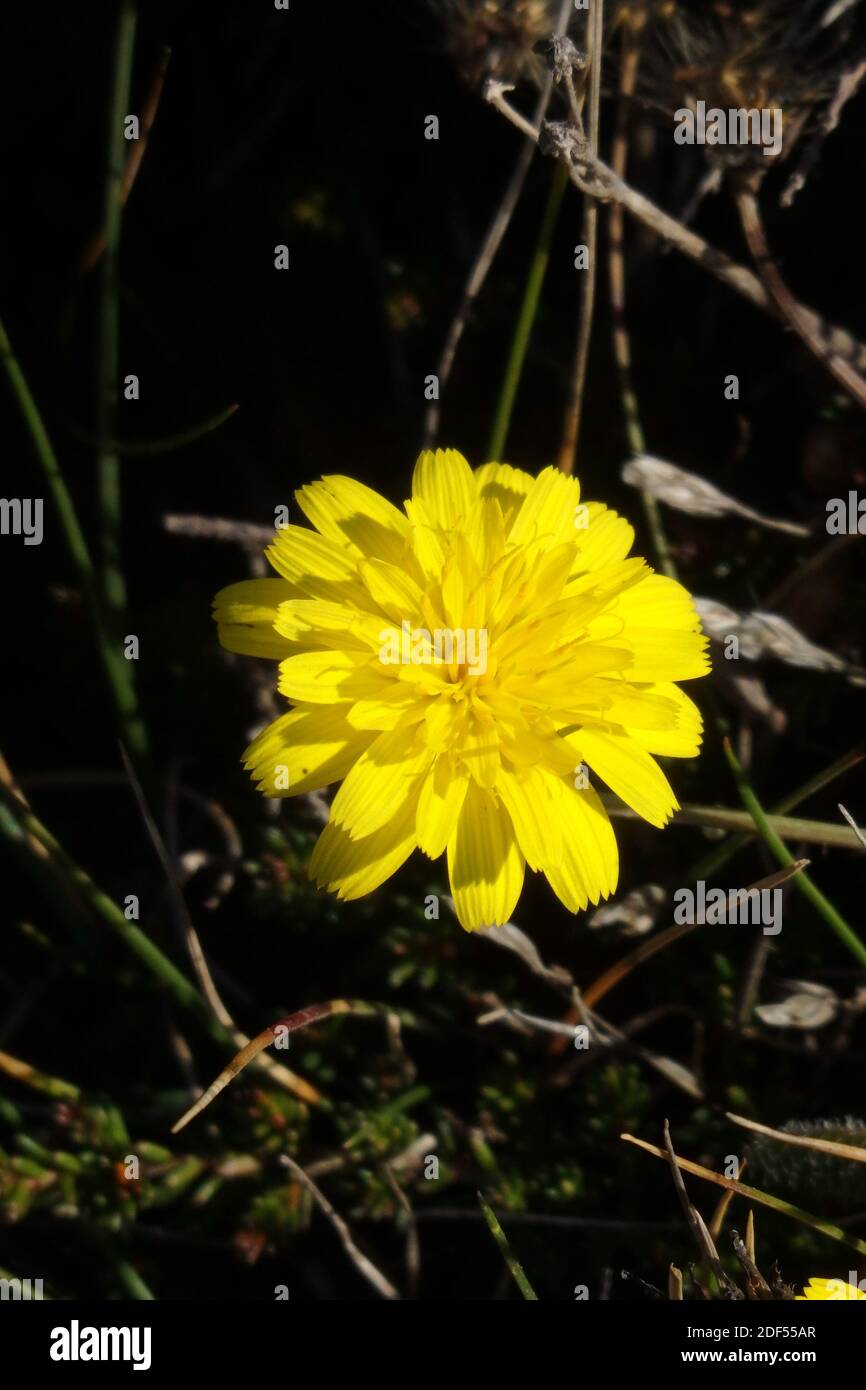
x=792 y=311
x=248 y=1054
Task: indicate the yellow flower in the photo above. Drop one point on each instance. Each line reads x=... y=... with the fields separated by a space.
x=463 y=666
x=829 y=1289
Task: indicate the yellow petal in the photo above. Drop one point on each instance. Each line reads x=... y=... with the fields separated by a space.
x=831 y=1289
x=603 y=538
x=479 y=749
x=589 y=865
x=552 y=571
x=246 y=614
x=615 y=701
x=528 y=800
x=485 y=865
x=659 y=602
x=439 y=804
x=576 y=664
x=444 y=483
x=350 y=868
x=320 y=623
x=539 y=746
x=392 y=590
x=610 y=581
x=428 y=539
x=536 y=598
x=356 y=517
x=660 y=654
x=305 y=750
x=384 y=779
x=684 y=739
x=485 y=531
x=549 y=510
x=323 y=677
x=389 y=707
x=442 y=723
x=629 y=771
x=319 y=567
x=506 y=485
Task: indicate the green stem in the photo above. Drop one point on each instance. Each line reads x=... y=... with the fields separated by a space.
x=779 y=851
x=526 y=316
x=125 y=1273
x=131 y=1281
x=108 y=460
x=40 y=1081
x=116 y=667
x=177 y=984
x=716 y=859
x=144 y=448
x=511 y=1261
x=651 y=508
x=811 y=832
x=57 y=1159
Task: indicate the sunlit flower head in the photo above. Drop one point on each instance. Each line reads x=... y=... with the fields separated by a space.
x=829 y=1289
x=466 y=668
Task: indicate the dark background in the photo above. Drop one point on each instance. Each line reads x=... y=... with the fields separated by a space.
x=306 y=128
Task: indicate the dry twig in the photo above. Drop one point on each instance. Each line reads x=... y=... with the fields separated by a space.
x=365 y=1267
x=598 y=180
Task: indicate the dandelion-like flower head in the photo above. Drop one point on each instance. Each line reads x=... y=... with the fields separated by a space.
x=465 y=668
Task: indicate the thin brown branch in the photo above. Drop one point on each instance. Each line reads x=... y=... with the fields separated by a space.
x=622 y=968
x=365 y=1267
x=723 y=1204
x=849 y=83
x=489 y=248
x=702 y=1237
x=413 y=1244
x=296 y=1085
x=753 y=1194
x=789 y=308
x=802 y=1141
x=95 y=247
x=596 y=178
x=853 y=824
x=760 y=954
x=218 y=528
x=589 y=238
x=745 y=1251
x=628 y=73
